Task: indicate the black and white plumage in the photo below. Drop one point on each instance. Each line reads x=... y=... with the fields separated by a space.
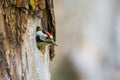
x=44 y=38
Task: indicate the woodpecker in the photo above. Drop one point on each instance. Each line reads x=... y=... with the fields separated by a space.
x=44 y=38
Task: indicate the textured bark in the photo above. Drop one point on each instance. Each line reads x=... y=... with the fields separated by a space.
x=20 y=59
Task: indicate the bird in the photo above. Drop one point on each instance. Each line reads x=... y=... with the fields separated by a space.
x=44 y=38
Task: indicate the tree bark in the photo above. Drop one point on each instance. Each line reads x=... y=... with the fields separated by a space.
x=20 y=59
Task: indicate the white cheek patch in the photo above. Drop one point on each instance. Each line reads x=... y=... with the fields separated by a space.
x=38 y=33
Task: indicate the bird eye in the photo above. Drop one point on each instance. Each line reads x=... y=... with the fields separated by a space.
x=47 y=37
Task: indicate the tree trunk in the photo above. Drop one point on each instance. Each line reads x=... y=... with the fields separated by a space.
x=20 y=59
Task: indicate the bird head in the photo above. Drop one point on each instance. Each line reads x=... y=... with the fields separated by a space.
x=43 y=36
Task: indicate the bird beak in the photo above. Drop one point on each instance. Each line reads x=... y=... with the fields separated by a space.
x=54 y=43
